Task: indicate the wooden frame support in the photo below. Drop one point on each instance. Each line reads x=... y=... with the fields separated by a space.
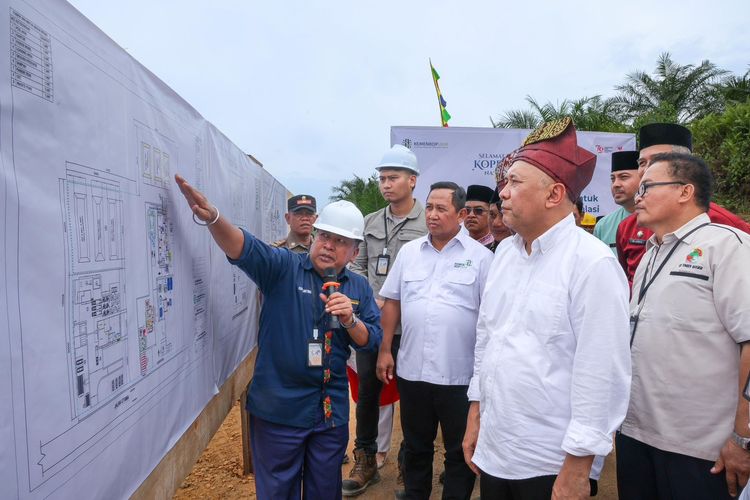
x=169 y=474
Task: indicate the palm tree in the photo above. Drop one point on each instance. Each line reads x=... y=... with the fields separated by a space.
x=596 y=114
x=588 y=113
x=517 y=118
x=364 y=193
x=676 y=93
x=735 y=89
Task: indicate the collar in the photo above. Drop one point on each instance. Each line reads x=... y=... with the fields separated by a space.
x=549 y=238
x=486 y=239
x=413 y=214
x=458 y=239
x=292 y=242
x=681 y=232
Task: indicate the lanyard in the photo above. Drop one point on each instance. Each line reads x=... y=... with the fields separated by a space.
x=313 y=300
x=645 y=286
x=395 y=231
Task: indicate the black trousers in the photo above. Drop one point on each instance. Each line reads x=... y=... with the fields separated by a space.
x=645 y=472
x=534 y=488
x=423 y=407
x=368 y=404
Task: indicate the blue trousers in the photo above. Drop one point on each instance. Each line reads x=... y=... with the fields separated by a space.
x=292 y=463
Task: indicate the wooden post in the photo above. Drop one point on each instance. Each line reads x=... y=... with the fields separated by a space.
x=247 y=452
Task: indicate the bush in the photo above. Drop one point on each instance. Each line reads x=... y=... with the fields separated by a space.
x=723 y=140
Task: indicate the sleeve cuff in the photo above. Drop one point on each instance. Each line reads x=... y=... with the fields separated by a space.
x=386 y=294
x=473 y=393
x=581 y=440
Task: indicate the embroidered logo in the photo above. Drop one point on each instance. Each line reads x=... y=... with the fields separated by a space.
x=695 y=256
x=462 y=265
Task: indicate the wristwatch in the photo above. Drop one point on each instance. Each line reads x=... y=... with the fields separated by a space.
x=354 y=322
x=742 y=442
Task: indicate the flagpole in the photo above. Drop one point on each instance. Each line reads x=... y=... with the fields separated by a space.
x=437 y=92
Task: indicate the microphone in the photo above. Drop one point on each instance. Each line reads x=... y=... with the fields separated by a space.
x=330 y=286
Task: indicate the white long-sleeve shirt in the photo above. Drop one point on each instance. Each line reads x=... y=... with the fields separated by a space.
x=552 y=361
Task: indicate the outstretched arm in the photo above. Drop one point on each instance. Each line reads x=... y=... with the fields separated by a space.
x=228 y=236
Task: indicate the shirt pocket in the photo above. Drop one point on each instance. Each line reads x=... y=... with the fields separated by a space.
x=544 y=310
x=460 y=288
x=406 y=234
x=415 y=284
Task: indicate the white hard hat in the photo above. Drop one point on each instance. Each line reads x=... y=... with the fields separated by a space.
x=399 y=157
x=343 y=218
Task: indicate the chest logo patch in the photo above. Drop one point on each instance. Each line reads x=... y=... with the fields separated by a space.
x=462 y=265
x=694 y=257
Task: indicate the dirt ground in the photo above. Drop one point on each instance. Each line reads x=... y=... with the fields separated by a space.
x=218 y=472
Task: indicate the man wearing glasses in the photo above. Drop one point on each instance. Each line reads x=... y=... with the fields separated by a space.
x=631 y=236
x=686 y=431
x=477 y=220
x=300 y=216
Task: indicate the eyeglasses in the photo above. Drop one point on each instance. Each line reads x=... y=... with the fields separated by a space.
x=478 y=211
x=336 y=241
x=643 y=188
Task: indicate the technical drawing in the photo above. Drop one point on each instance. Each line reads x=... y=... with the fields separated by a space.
x=98 y=347
x=154 y=344
x=274 y=225
x=155 y=156
x=96 y=305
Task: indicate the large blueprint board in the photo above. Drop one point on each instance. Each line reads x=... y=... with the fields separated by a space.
x=119 y=316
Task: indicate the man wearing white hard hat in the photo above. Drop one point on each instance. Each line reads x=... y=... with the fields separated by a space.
x=298 y=399
x=386 y=231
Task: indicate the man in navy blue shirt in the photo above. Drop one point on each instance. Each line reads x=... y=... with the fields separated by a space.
x=298 y=399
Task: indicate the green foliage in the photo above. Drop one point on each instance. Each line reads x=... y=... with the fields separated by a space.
x=735 y=89
x=364 y=193
x=682 y=93
x=712 y=102
x=723 y=140
x=588 y=113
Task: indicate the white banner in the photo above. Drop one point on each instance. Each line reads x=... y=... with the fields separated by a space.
x=467 y=155
x=120 y=318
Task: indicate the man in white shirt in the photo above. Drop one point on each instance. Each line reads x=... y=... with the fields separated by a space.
x=552 y=364
x=434 y=289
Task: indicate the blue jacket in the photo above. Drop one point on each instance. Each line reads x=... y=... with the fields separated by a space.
x=284 y=390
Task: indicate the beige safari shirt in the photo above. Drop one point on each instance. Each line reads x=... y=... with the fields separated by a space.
x=292 y=244
x=686 y=349
x=410 y=228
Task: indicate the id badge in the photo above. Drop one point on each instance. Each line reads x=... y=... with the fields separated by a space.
x=314 y=353
x=381 y=268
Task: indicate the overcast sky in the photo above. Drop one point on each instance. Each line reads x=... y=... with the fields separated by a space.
x=311 y=89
